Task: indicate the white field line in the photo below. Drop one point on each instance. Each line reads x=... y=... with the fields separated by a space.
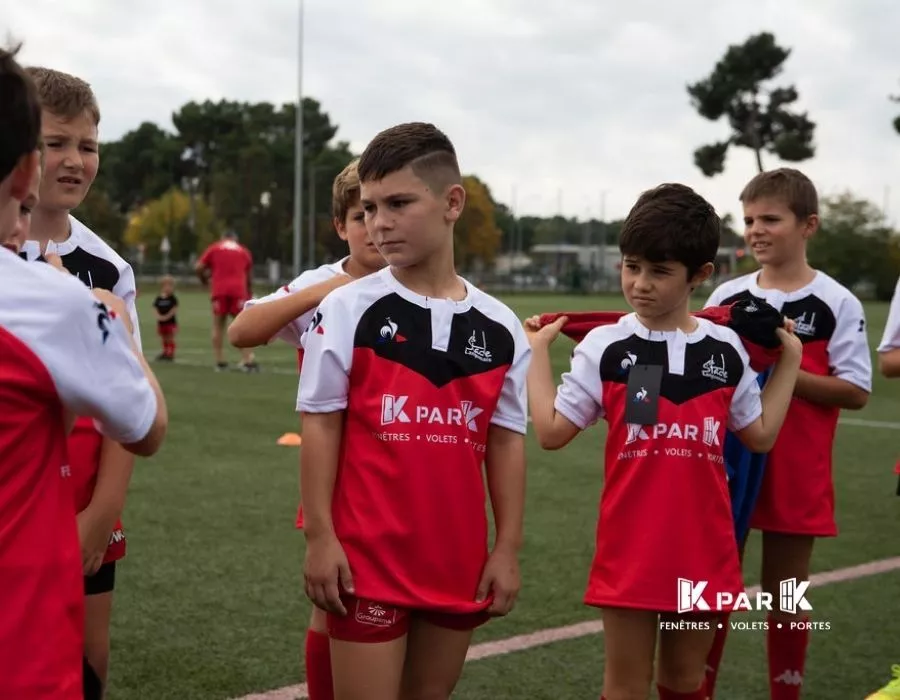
x=521 y=642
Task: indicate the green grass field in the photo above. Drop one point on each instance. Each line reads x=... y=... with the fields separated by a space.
x=209 y=601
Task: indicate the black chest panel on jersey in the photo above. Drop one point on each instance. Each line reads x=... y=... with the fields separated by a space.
x=814 y=318
x=93 y=271
x=709 y=365
x=399 y=331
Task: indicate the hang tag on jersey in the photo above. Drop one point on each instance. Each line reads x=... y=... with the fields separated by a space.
x=644 y=383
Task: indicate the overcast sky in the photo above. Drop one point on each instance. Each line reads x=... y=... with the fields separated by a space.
x=559 y=105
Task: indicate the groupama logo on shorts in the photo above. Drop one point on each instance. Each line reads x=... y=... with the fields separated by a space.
x=791 y=598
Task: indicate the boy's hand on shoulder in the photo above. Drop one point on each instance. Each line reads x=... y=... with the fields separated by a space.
x=539 y=336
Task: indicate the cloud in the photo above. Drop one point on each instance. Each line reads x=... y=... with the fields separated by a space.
x=579 y=104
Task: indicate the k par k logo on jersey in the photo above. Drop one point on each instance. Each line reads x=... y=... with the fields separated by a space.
x=791 y=598
x=395 y=410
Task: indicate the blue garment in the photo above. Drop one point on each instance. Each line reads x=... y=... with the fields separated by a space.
x=745 y=471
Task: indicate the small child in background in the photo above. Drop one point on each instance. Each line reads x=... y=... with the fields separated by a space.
x=166 y=305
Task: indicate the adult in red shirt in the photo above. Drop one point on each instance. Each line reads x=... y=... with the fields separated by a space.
x=227 y=267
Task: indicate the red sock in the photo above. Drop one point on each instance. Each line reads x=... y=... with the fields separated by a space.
x=318 y=666
x=787 y=658
x=666 y=694
x=715 y=656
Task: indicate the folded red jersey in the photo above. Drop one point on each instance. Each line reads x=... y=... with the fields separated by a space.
x=754 y=321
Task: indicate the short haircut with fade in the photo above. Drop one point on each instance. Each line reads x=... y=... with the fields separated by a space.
x=422 y=147
x=64 y=95
x=672 y=223
x=20 y=113
x=345 y=191
x=787 y=184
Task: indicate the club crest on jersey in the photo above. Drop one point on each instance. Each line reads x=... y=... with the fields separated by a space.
x=713 y=371
x=389 y=332
x=479 y=352
x=805 y=327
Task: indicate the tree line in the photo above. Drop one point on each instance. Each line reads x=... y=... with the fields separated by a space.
x=229 y=165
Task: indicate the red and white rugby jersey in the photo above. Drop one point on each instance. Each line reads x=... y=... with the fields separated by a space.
x=58 y=348
x=665 y=512
x=891 y=338
x=831 y=323
x=421 y=380
x=293 y=332
x=90 y=259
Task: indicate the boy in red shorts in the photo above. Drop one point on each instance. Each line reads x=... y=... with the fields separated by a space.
x=668 y=384
x=796 y=498
x=412 y=379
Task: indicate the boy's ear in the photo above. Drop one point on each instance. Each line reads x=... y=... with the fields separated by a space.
x=703 y=274
x=456 y=202
x=811 y=226
x=340 y=228
x=22 y=174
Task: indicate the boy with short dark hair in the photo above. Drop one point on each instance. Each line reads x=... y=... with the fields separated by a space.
x=796 y=496
x=668 y=384
x=412 y=379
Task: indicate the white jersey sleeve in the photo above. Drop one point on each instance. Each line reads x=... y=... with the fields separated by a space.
x=292 y=333
x=512 y=408
x=328 y=355
x=580 y=396
x=848 y=350
x=746 y=402
x=126 y=290
x=891 y=338
x=88 y=355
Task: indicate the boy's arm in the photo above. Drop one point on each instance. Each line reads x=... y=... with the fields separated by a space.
x=322 y=401
x=558 y=417
x=262 y=320
x=96 y=522
x=849 y=361
x=505 y=465
x=889 y=363
x=889 y=348
x=759 y=435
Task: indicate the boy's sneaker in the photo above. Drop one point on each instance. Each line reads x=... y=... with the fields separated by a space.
x=892 y=690
x=250 y=367
x=221 y=366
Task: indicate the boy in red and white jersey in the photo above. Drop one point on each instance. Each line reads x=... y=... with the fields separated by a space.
x=668 y=385
x=796 y=499
x=412 y=380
